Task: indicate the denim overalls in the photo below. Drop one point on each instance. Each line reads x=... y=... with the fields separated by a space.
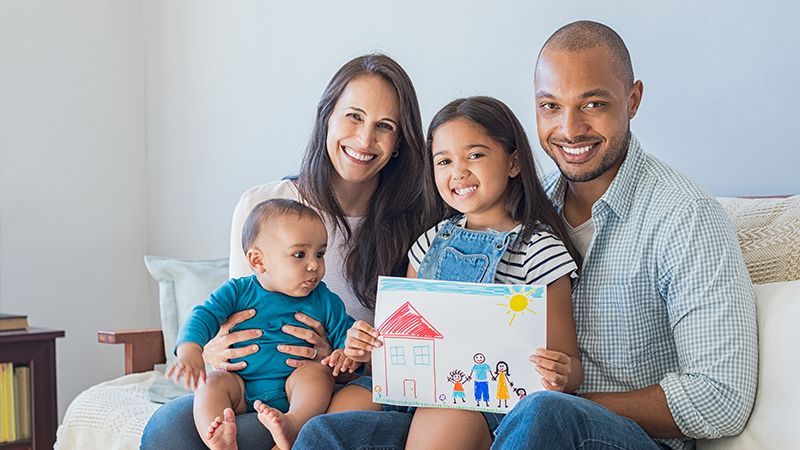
x=459 y=254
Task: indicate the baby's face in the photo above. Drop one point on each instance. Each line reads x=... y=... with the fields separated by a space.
x=294 y=250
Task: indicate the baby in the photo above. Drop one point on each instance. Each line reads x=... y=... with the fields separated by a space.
x=284 y=242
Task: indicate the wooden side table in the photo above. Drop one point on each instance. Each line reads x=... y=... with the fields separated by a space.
x=35 y=348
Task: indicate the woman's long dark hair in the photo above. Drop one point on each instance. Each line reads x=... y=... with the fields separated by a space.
x=402 y=206
x=526 y=201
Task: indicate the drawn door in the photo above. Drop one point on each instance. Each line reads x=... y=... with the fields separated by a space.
x=410 y=388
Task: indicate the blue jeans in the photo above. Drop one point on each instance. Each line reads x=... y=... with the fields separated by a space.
x=172 y=428
x=554 y=420
x=362 y=430
x=356 y=430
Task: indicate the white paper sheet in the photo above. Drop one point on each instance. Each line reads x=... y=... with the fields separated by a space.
x=434 y=333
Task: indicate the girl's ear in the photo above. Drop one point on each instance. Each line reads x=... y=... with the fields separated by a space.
x=256 y=260
x=513 y=165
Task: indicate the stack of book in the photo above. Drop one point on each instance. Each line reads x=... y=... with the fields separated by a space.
x=10 y=322
x=15 y=402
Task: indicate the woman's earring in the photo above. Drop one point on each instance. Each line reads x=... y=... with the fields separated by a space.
x=395 y=153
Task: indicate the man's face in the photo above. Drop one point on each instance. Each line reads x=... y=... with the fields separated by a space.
x=583 y=112
x=479 y=358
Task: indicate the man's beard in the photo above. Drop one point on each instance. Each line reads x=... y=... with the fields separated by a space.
x=616 y=151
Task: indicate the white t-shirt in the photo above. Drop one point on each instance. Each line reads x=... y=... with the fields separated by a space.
x=334 y=277
x=542 y=259
x=581 y=236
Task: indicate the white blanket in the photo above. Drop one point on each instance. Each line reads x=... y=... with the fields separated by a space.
x=110 y=415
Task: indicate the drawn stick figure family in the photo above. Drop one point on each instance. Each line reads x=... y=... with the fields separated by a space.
x=482 y=372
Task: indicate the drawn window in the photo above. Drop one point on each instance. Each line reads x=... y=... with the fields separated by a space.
x=398 y=356
x=422 y=355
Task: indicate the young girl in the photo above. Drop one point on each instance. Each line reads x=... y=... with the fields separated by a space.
x=505 y=231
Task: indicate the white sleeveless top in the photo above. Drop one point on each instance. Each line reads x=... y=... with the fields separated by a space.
x=334 y=277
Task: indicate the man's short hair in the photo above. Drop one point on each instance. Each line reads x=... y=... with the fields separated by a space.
x=269 y=210
x=585 y=35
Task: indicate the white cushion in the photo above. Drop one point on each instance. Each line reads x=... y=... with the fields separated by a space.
x=774 y=422
x=768 y=230
x=183 y=284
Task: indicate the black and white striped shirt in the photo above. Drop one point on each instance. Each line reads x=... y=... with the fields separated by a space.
x=542 y=259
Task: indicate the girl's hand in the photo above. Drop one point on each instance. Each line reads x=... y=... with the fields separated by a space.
x=340 y=363
x=316 y=336
x=361 y=339
x=218 y=351
x=189 y=368
x=553 y=366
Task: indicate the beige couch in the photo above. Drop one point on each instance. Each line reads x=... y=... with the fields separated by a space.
x=112 y=415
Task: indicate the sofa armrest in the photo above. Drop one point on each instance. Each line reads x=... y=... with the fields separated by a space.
x=143 y=348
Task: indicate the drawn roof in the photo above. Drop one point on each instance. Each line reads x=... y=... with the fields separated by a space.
x=408 y=322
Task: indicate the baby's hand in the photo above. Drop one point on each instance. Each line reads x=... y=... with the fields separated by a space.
x=553 y=366
x=340 y=363
x=189 y=367
x=361 y=339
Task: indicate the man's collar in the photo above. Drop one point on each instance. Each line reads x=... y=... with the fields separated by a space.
x=620 y=192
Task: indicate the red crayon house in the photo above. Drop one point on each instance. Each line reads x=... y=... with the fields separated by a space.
x=409 y=355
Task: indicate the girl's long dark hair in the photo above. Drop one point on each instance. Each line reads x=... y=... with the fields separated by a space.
x=526 y=201
x=402 y=206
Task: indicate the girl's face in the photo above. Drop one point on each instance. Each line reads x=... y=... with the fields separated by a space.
x=472 y=170
x=502 y=367
x=363 y=129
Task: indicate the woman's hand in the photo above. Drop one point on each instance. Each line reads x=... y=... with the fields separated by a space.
x=553 y=366
x=361 y=339
x=316 y=336
x=218 y=351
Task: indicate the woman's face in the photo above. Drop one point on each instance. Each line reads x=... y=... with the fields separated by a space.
x=363 y=129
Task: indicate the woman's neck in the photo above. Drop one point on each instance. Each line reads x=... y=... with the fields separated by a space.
x=354 y=198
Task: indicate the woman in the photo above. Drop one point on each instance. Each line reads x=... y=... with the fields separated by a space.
x=364 y=170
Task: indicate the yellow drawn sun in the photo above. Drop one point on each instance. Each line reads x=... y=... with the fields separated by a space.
x=519 y=302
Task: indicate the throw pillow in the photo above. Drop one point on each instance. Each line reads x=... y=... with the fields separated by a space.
x=768 y=230
x=182 y=284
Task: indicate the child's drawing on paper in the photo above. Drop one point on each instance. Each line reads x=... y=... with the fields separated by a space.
x=503 y=380
x=410 y=348
x=457 y=377
x=481 y=370
x=426 y=358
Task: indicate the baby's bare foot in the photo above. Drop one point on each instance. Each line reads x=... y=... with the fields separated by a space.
x=282 y=426
x=222 y=432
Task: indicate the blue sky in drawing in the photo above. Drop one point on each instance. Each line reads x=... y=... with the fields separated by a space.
x=451 y=287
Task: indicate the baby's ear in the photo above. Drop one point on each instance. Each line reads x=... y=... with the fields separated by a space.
x=256 y=260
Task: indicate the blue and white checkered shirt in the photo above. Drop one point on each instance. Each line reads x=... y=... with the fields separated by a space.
x=664 y=298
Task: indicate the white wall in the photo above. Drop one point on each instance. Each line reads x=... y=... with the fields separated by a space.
x=232 y=89
x=131 y=127
x=73 y=209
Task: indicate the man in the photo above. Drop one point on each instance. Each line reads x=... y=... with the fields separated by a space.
x=481 y=371
x=664 y=308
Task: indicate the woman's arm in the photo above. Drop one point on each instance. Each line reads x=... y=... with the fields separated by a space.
x=560 y=363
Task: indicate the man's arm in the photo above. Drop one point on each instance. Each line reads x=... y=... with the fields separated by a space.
x=647 y=407
x=711 y=307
